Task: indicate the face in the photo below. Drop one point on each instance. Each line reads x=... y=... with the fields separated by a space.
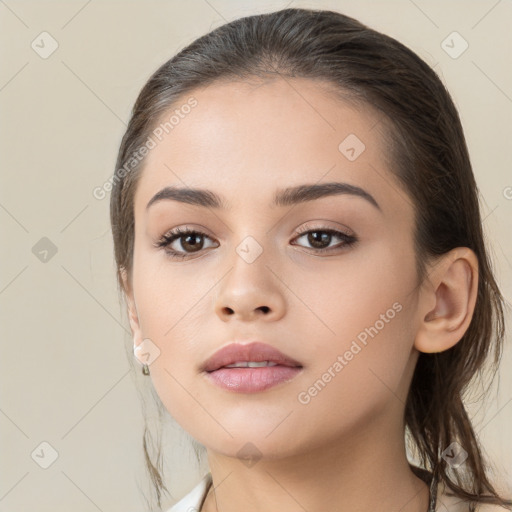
x=328 y=280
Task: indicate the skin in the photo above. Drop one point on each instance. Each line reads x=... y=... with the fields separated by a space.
x=344 y=450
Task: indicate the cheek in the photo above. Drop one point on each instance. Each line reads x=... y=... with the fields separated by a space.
x=170 y=296
x=173 y=307
x=365 y=314
x=340 y=301
x=358 y=378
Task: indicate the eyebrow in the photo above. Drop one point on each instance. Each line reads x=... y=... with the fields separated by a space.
x=283 y=197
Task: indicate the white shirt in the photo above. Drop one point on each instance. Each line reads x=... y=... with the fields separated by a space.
x=193 y=501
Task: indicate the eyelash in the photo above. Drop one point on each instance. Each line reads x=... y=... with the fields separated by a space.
x=177 y=233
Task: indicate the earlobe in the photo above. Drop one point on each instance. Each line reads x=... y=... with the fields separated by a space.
x=453 y=291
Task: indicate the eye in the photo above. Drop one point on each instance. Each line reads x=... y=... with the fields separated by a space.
x=320 y=239
x=190 y=240
x=183 y=242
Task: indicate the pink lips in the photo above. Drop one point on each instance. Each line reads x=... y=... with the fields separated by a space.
x=250 y=380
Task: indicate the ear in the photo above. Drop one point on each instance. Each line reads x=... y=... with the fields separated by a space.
x=447 y=301
x=133 y=316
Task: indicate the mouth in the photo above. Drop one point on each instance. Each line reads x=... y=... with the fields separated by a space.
x=249 y=355
x=250 y=368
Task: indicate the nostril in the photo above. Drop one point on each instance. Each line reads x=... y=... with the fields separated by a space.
x=265 y=309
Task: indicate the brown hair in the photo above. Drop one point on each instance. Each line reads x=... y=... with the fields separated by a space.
x=430 y=160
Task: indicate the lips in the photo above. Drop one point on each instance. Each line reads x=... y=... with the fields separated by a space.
x=256 y=352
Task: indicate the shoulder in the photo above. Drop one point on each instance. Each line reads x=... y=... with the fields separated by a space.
x=449 y=502
x=193 y=501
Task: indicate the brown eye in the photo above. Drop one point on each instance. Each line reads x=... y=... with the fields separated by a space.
x=179 y=243
x=320 y=239
x=192 y=242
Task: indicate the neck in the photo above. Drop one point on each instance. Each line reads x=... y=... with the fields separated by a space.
x=353 y=473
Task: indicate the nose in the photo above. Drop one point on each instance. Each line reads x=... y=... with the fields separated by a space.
x=249 y=292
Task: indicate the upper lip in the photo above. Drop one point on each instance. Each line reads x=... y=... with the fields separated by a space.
x=255 y=351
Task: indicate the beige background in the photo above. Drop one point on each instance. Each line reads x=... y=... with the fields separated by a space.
x=64 y=370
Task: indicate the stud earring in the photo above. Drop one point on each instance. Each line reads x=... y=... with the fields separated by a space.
x=145 y=369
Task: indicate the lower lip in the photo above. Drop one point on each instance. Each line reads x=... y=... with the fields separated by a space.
x=252 y=380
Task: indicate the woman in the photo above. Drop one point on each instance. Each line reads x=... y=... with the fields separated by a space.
x=298 y=238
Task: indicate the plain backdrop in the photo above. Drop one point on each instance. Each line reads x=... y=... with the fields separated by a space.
x=65 y=377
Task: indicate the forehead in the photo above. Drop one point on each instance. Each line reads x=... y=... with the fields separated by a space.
x=244 y=140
